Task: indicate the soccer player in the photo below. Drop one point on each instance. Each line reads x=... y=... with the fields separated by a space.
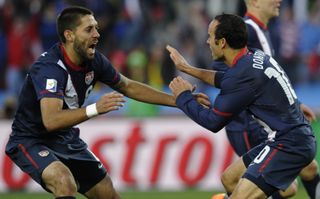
x=44 y=142
x=243 y=132
x=256 y=83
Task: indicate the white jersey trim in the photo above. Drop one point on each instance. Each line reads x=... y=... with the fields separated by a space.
x=271 y=133
x=261 y=36
x=70 y=94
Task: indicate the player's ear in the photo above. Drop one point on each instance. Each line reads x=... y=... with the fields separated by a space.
x=68 y=34
x=223 y=42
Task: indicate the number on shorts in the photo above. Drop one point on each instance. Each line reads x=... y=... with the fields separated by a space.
x=262 y=155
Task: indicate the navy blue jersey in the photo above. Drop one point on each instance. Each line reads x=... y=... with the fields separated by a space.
x=53 y=75
x=255 y=83
x=258 y=35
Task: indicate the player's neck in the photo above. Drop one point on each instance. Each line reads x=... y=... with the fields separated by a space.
x=260 y=16
x=233 y=55
x=72 y=55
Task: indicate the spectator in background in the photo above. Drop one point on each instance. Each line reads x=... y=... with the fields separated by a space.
x=3 y=62
x=314 y=64
x=19 y=58
x=154 y=66
x=308 y=42
x=137 y=70
x=47 y=25
x=289 y=38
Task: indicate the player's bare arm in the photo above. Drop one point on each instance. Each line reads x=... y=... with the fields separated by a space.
x=143 y=92
x=182 y=65
x=54 y=117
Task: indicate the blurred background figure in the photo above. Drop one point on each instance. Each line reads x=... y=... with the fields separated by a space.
x=137 y=69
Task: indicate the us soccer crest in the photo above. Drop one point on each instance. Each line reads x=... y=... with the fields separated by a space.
x=89 y=77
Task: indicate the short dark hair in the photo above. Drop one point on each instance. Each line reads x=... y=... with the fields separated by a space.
x=233 y=29
x=69 y=19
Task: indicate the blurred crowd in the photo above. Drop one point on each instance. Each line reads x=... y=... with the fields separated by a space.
x=134 y=34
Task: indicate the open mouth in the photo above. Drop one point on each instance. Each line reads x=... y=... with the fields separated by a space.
x=93 y=46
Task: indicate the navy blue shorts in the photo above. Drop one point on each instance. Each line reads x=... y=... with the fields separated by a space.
x=274 y=165
x=33 y=157
x=243 y=141
x=244 y=133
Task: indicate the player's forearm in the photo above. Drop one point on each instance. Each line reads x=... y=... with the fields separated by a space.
x=202 y=74
x=201 y=115
x=64 y=119
x=145 y=93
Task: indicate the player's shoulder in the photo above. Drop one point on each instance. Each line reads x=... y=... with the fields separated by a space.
x=52 y=55
x=50 y=60
x=100 y=58
x=251 y=65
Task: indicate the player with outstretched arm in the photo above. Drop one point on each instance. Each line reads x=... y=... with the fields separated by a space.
x=253 y=82
x=44 y=141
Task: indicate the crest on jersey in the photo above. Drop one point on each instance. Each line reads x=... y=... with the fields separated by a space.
x=44 y=153
x=51 y=85
x=89 y=77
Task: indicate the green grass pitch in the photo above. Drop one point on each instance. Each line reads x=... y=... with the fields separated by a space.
x=189 y=194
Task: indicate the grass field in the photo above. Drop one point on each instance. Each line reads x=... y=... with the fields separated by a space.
x=190 y=194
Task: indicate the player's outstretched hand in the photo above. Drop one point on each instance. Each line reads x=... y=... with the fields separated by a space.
x=177 y=59
x=110 y=102
x=178 y=85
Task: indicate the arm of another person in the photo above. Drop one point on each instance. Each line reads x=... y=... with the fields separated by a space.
x=143 y=92
x=207 y=76
x=54 y=117
x=308 y=113
x=226 y=105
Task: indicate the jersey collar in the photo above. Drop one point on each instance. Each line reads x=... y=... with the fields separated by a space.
x=239 y=55
x=255 y=19
x=72 y=65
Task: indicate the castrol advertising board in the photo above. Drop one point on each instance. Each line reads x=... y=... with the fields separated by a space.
x=170 y=154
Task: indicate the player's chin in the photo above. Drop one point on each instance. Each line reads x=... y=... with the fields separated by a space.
x=90 y=55
x=276 y=13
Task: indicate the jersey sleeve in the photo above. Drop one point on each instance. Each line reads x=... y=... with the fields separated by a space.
x=106 y=72
x=253 y=41
x=219 y=66
x=218 y=78
x=49 y=80
x=229 y=103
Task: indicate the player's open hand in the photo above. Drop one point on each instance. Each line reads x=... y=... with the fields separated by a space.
x=110 y=102
x=179 y=85
x=177 y=59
